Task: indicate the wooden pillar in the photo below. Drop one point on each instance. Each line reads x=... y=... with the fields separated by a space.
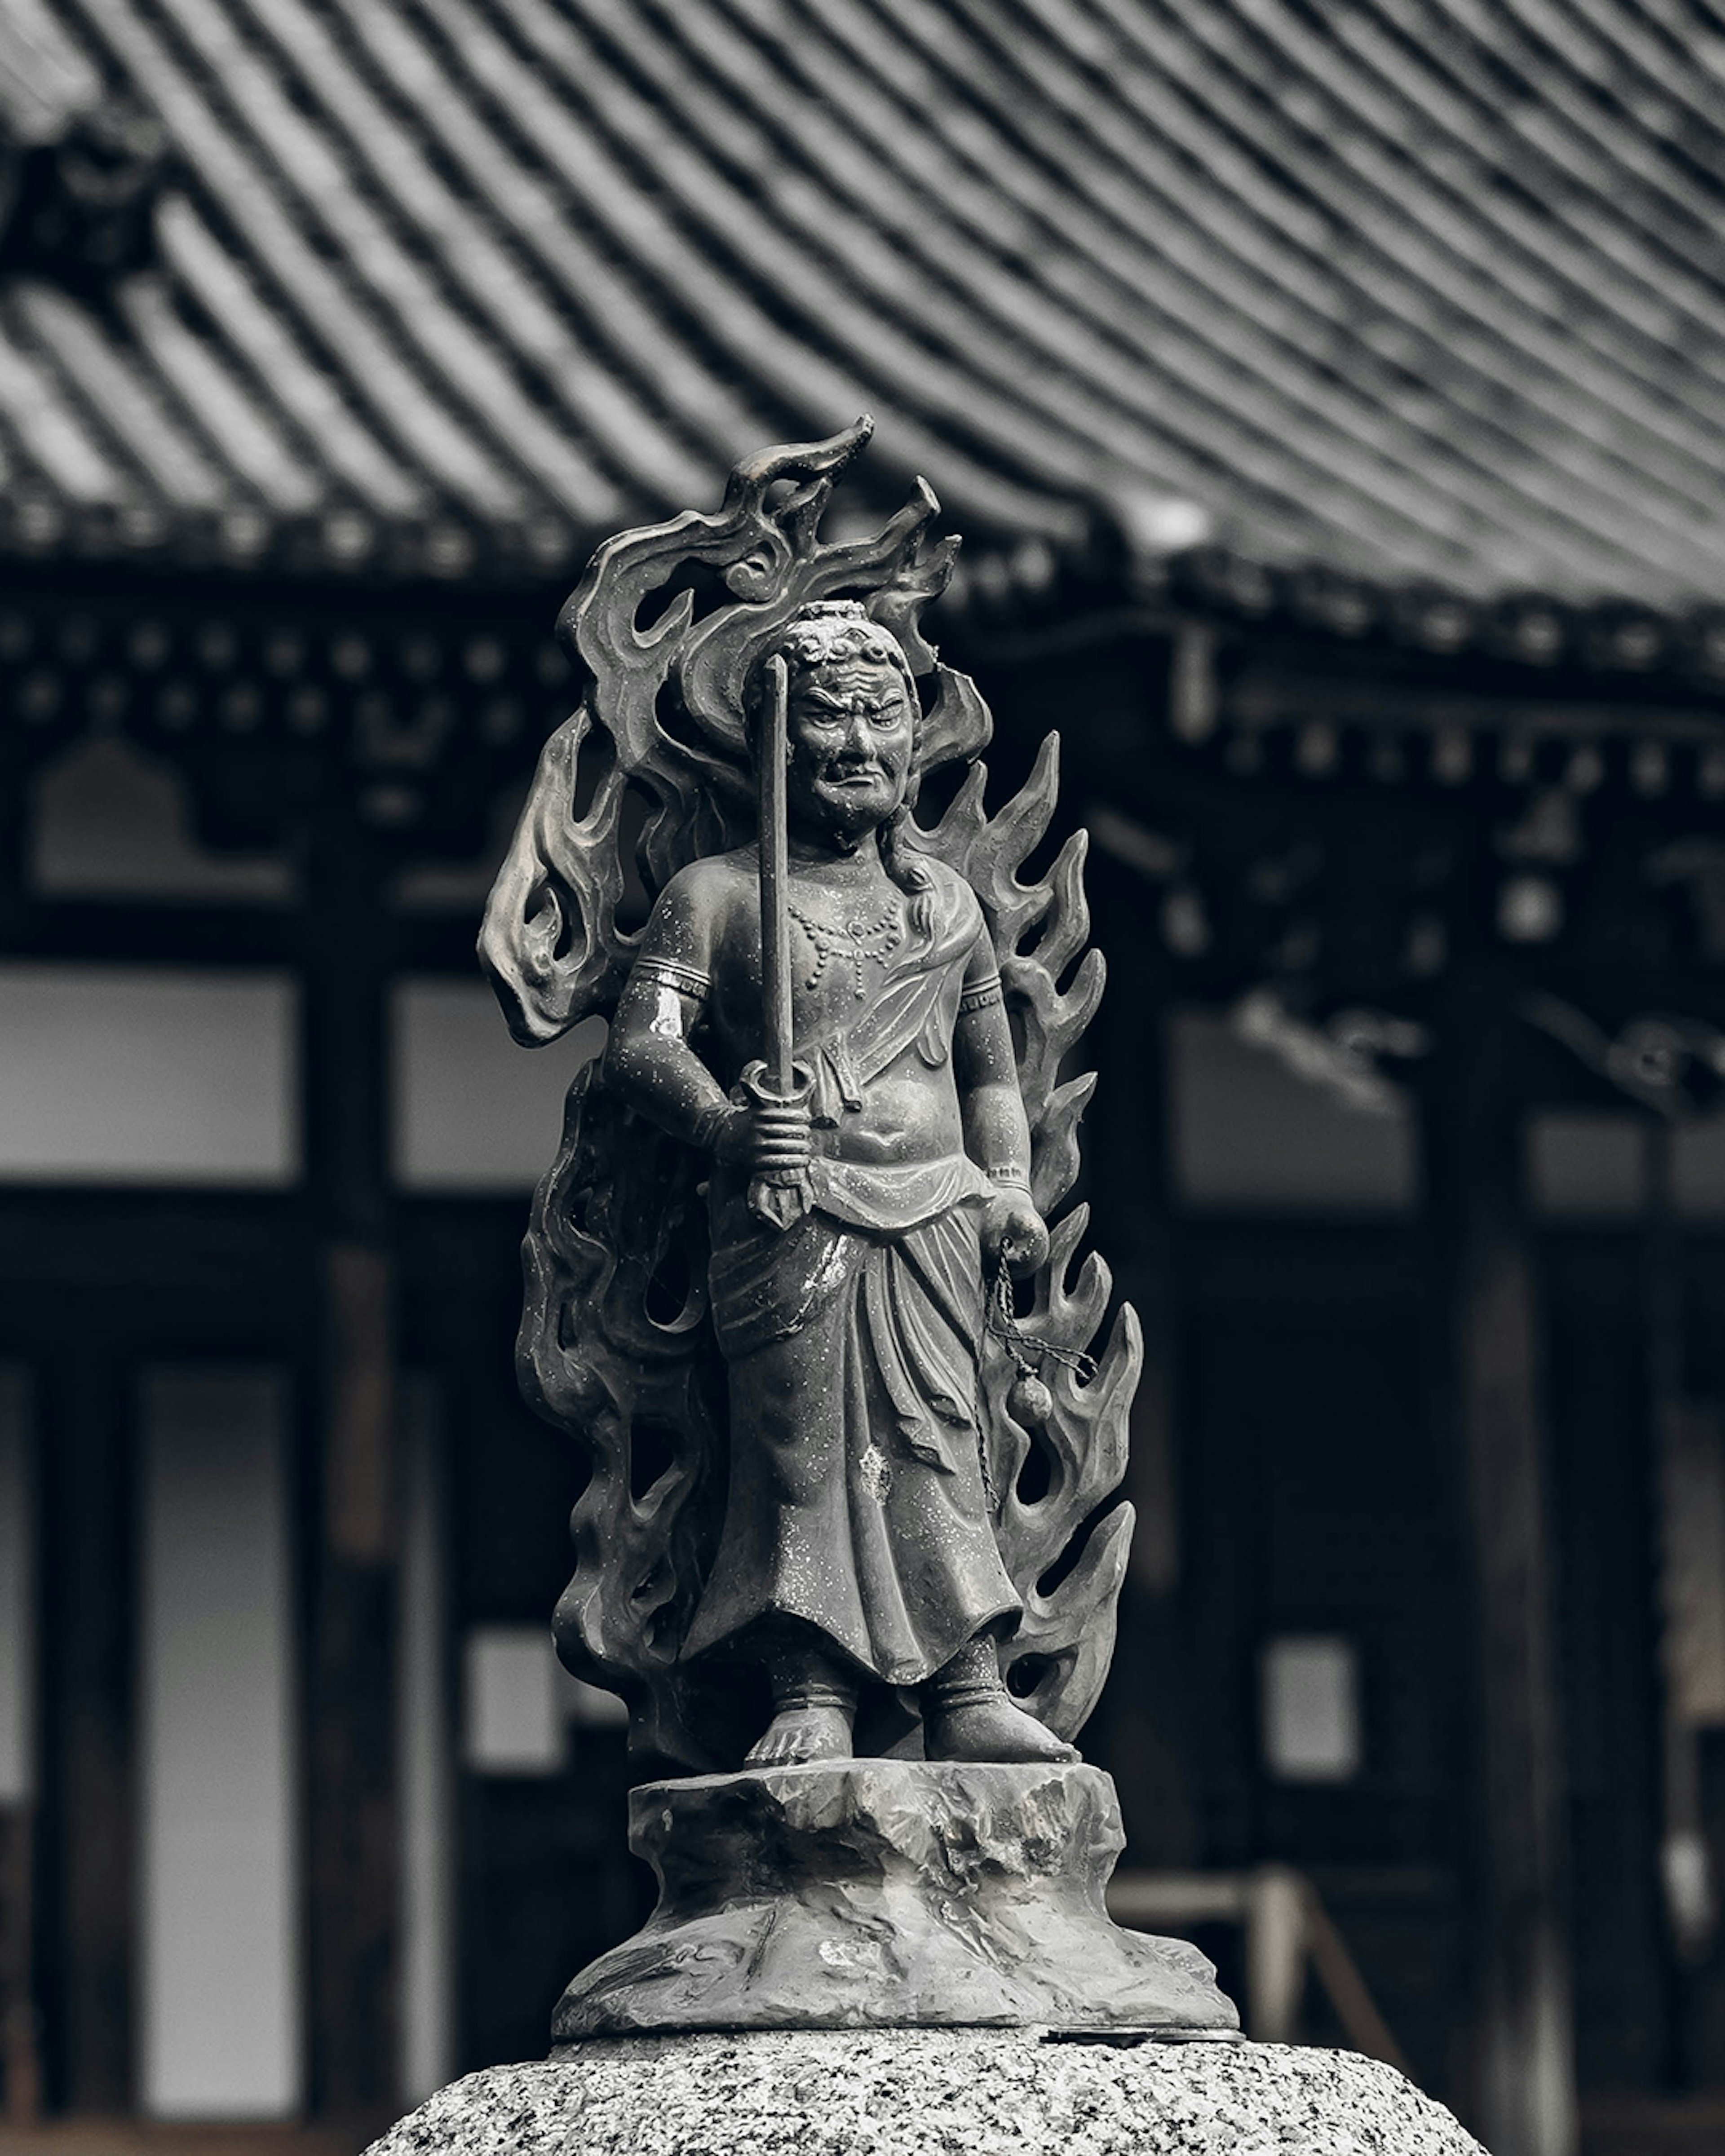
x=1489 y=1395
x=88 y=1630
x=20 y=2073
x=1689 y=1452
x=16 y=776
x=1127 y=1140
x=1128 y=1154
x=352 y=1842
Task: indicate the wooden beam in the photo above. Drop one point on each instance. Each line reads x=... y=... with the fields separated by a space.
x=351 y=1691
x=351 y=1845
x=1527 y=2062
x=142 y=933
x=1141 y=1728
x=1128 y=1137
x=15 y=817
x=88 y=1630
x=1486 y=1291
x=20 y=2062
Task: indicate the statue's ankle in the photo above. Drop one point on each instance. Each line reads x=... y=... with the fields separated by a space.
x=972 y=1678
x=804 y=1679
x=814 y=1708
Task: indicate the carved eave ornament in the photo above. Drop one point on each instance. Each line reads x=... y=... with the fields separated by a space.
x=260 y=707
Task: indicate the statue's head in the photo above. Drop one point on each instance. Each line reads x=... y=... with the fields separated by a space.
x=852 y=716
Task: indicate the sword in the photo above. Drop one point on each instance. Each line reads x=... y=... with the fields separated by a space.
x=777 y=1196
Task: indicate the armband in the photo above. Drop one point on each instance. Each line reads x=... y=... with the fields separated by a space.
x=982 y=995
x=686 y=980
x=1009 y=1172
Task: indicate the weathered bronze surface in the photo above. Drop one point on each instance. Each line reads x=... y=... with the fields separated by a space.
x=883 y=1893
x=789 y=1284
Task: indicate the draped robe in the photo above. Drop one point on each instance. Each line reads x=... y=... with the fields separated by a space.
x=858 y=1504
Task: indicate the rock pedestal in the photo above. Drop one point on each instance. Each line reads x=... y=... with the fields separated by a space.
x=931 y=2092
x=902 y=1958
x=887 y=1893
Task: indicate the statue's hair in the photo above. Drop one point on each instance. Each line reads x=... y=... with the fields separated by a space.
x=834 y=632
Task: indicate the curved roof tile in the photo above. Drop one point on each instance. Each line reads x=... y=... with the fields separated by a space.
x=1426 y=295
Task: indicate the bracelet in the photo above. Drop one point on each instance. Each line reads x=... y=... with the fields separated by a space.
x=1011 y=1174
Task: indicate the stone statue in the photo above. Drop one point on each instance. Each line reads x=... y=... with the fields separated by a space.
x=789 y=1281
x=847 y=1548
x=808 y=1480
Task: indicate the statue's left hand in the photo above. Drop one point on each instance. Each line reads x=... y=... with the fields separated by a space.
x=1013 y=1230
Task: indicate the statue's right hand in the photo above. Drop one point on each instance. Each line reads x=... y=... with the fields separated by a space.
x=767 y=1136
x=783 y=1139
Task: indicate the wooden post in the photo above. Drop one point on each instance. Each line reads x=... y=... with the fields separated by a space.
x=1690 y=1466
x=351 y=1853
x=1274 y=1953
x=1488 y=1392
x=16 y=816
x=88 y=1630
x=1128 y=1137
x=20 y=2073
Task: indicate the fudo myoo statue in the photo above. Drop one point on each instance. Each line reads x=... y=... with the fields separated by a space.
x=765 y=1286
x=789 y=1281
x=859 y=1198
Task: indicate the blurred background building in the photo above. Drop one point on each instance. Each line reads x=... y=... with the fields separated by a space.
x=1332 y=401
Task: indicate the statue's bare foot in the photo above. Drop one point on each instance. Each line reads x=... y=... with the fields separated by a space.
x=796 y=1735
x=992 y=1731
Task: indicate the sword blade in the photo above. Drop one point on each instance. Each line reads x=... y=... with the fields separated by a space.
x=775 y=866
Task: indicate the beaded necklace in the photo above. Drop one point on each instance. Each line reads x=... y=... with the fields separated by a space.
x=855 y=941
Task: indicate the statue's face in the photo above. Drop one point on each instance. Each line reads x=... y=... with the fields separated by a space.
x=852 y=730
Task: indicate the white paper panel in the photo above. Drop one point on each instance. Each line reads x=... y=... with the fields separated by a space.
x=111 y=822
x=514 y=1708
x=426 y=1792
x=473 y=1112
x=1698 y=1168
x=1311 y=1709
x=146 y=1075
x=220 y=1915
x=1248 y=1134
x=1586 y=1166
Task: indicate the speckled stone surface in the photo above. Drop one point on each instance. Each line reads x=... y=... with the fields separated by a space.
x=930 y=2092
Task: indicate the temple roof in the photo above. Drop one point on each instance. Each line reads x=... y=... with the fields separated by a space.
x=1407 y=297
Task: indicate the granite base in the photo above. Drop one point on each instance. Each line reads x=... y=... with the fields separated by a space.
x=930 y=2092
